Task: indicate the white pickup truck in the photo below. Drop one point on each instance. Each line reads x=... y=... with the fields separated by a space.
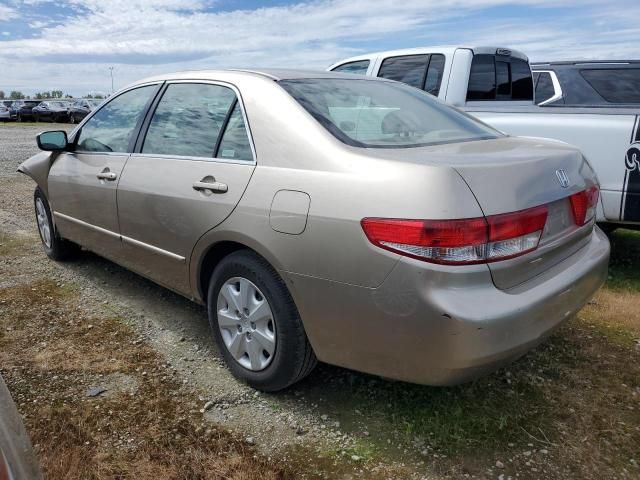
x=496 y=86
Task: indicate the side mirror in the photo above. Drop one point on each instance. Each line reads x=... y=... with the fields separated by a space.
x=53 y=141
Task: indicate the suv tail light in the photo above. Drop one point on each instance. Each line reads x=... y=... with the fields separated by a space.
x=584 y=205
x=460 y=242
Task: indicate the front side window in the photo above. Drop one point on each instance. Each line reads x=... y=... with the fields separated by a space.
x=359 y=67
x=409 y=69
x=615 y=85
x=377 y=114
x=190 y=119
x=112 y=127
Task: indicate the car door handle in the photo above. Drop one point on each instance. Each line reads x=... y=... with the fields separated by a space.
x=107 y=175
x=213 y=186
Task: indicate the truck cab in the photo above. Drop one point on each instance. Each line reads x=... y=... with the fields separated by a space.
x=496 y=85
x=457 y=75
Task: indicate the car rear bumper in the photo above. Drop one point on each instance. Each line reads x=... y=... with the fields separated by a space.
x=5 y=115
x=441 y=326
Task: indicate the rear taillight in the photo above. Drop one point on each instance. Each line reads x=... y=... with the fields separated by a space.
x=583 y=205
x=460 y=242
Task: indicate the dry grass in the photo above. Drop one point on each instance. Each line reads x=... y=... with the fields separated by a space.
x=51 y=352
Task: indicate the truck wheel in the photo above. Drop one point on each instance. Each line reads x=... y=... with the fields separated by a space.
x=256 y=324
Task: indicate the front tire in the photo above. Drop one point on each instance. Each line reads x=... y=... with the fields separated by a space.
x=54 y=246
x=256 y=324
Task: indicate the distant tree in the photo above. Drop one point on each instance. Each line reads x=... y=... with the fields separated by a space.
x=1 y=94
x=38 y=96
x=99 y=97
x=57 y=94
x=68 y=96
x=89 y=96
x=16 y=95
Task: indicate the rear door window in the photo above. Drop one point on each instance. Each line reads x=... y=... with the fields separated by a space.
x=434 y=74
x=112 y=127
x=499 y=77
x=198 y=120
x=359 y=67
x=409 y=69
x=615 y=85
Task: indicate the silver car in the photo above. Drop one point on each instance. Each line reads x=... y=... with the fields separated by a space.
x=324 y=216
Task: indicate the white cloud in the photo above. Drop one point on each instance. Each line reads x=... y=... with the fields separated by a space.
x=144 y=37
x=6 y=33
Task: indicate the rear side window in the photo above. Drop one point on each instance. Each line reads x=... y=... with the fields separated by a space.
x=360 y=67
x=420 y=71
x=409 y=69
x=615 y=85
x=111 y=128
x=191 y=118
x=544 y=87
x=499 y=78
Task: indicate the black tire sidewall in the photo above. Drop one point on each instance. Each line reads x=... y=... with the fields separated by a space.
x=290 y=344
x=60 y=249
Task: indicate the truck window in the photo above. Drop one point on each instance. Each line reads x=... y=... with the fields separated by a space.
x=359 y=67
x=434 y=74
x=498 y=77
x=521 y=82
x=544 y=87
x=409 y=69
x=615 y=85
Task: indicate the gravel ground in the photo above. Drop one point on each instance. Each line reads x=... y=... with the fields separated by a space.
x=335 y=420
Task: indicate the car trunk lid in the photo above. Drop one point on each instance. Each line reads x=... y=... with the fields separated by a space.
x=512 y=174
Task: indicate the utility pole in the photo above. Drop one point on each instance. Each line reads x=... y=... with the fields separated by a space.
x=111 y=71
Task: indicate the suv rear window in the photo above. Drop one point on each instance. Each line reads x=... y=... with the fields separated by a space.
x=544 y=86
x=497 y=77
x=615 y=85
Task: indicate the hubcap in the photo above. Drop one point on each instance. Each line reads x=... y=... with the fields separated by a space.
x=246 y=324
x=43 y=223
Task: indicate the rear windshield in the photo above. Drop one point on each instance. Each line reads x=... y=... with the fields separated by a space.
x=499 y=77
x=615 y=85
x=378 y=114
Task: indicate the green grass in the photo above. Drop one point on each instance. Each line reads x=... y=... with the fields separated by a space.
x=624 y=267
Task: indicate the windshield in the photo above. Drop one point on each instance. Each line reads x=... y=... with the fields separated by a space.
x=378 y=114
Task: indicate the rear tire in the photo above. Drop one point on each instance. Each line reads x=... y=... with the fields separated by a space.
x=54 y=246
x=232 y=324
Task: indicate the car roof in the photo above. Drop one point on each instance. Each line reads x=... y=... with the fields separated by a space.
x=275 y=74
x=586 y=62
x=443 y=49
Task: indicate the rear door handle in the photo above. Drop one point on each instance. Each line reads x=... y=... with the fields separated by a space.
x=107 y=175
x=212 y=186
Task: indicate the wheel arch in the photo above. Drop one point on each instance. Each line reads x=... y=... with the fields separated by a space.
x=209 y=252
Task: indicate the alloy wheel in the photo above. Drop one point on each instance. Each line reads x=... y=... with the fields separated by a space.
x=43 y=223
x=246 y=323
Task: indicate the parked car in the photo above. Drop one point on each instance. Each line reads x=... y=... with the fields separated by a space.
x=17 y=460
x=587 y=83
x=353 y=220
x=81 y=108
x=23 y=109
x=5 y=111
x=496 y=86
x=51 y=110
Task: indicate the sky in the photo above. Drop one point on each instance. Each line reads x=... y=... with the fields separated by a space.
x=70 y=44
